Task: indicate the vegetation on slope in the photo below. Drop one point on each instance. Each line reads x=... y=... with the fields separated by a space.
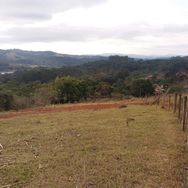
x=15 y=59
x=115 y=77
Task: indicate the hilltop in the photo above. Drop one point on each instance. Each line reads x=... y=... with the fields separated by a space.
x=13 y=59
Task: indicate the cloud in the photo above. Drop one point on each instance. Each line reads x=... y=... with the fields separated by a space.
x=39 y=9
x=122 y=25
x=180 y=29
x=63 y=32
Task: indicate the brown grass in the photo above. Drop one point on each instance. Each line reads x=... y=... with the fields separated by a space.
x=93 y=148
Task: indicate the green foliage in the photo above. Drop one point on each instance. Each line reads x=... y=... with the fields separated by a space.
x=109 y=77
x=6 y=101
x=120 y=87
x=104 y=90
x=141 y=87
x=68 y=89
x=177 y=89
x=88 y=86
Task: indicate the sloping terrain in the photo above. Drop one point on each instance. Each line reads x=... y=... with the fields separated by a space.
x=18 y=58
x=93 y=148
x=71 y=107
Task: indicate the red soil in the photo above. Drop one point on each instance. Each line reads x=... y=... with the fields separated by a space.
x=72 y=107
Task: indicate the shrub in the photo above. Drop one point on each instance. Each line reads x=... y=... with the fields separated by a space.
x=6 y=101
x=43 y=96
x=141 y=88
x=68 y=89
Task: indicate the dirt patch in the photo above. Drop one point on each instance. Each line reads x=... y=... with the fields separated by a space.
x=71 y=107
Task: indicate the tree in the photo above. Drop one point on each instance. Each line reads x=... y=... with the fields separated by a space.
x=67 y=89
x=6 y=101
x=141 y=87
x=104 y=89
x=120 y=87
x=44 y=95
x=88 y=87
x=122 y=75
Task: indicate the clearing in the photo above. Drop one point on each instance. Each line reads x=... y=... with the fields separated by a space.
x=93 y=148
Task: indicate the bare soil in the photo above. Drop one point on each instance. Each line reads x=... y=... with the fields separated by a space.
x=69 y=107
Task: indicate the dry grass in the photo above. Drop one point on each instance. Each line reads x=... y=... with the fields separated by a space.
x=93 y=148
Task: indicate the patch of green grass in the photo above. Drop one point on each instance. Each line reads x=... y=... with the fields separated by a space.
x=17 y=173
x=93 y=149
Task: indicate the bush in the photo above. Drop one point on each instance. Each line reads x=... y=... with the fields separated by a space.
x=6 y=101
x=21 y=102
x=67 y=90
x=43 y=96
x=104 y=90
x=177 y=89
x=141 y=88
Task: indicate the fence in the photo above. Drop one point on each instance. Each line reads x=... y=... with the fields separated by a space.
x=178 y=104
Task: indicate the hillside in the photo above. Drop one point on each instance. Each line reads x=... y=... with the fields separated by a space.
x=116 y=77
x=93 y=148
x=172 y=70
x=18 y=58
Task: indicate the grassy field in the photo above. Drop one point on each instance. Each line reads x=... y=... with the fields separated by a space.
x=93 y=149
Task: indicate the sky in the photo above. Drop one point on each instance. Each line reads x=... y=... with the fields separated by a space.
x=143 y=27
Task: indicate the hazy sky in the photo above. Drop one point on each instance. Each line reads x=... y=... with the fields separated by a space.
x=150 y=27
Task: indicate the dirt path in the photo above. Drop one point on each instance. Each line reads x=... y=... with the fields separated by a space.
x=70 y=107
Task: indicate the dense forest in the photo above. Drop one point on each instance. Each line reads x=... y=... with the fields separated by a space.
x=114 y=77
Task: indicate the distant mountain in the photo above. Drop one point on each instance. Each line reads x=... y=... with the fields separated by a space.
x=173 y=70
x=11 y=59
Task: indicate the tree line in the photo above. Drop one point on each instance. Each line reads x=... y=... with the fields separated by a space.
x=70 y=90
x=116 y=77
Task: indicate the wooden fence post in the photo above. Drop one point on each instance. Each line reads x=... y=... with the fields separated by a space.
x=186 y=119
x=184 y=113
x=163 y=101
x=158 y=101
x=181 y=117
x=169 y=102
x=179 y=106
x=175 y=102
